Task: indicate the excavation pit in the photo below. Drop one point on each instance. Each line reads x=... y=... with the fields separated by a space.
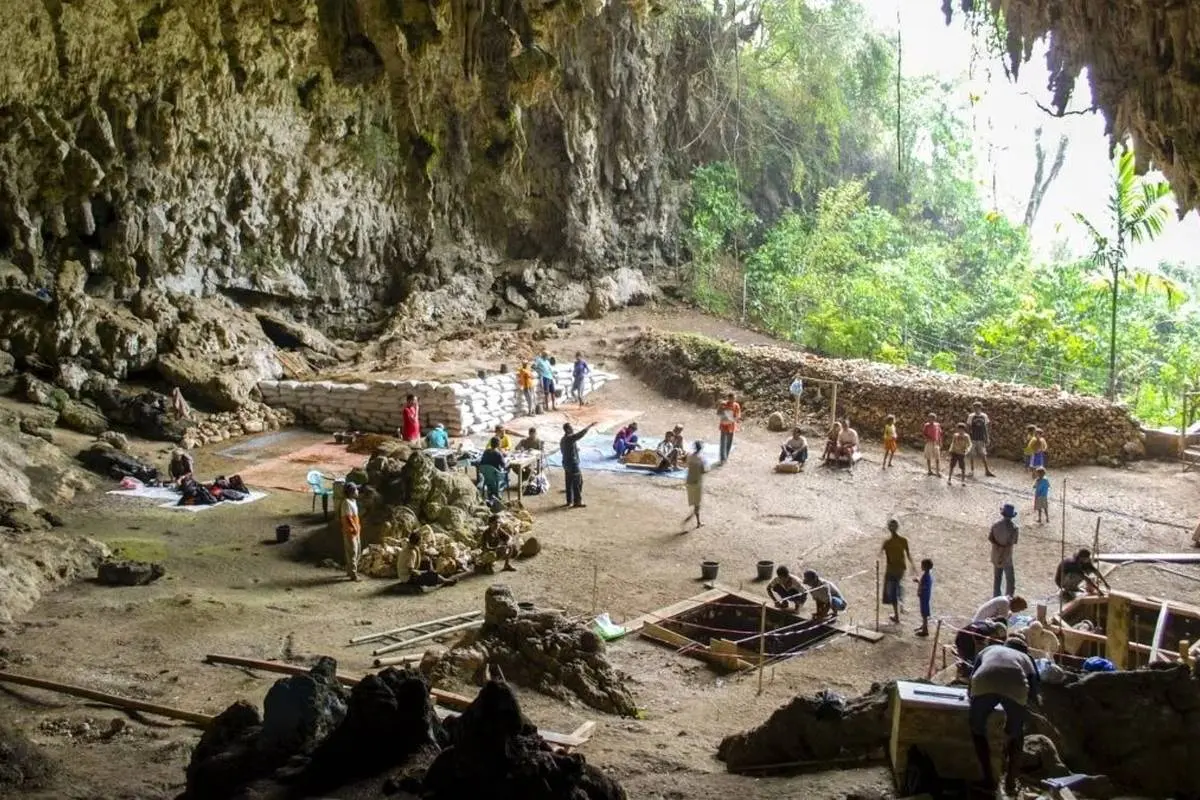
x=726 y=628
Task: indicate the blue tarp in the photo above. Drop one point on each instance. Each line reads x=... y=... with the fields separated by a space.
x=596 y=453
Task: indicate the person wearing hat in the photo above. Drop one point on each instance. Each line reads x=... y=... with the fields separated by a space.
x=351 y=529
x=1003 y=537
x=1003 y=675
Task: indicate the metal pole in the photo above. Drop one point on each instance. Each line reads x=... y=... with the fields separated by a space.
x=762 y=645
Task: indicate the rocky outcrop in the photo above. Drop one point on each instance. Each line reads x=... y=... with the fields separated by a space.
x=1158 y=42
x=354 y=165
x=1078 y=429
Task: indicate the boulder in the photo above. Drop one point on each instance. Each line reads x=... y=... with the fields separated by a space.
x=83 y=418
x=622 y=287
x=300 y=711
x=334 y=425
x=34 y=562
x=8 y=364
x=530 y=547
x=776 y=422
x=129 y=573
x=116 y=440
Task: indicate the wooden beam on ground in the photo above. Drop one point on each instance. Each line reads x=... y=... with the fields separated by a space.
x=202 y=720
x=1170 y=558
x=1160 y=628
x=634 y=625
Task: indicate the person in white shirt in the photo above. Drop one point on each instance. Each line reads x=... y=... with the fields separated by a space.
x=1001 y=607
x=847 y=441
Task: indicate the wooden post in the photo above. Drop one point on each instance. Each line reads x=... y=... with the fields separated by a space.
x=796 y=411
x=937 y=634
x=762 y=645
x=595 y=589
x=1041 y=613
x=1096 y=541
x=1184 y=656
x=877 y=598
x=833 y=406
x=1063 y=547
x=1116 y=629
x=1160 y=628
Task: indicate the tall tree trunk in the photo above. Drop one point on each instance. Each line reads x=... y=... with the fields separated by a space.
x=1112 y=339
x=1042 y=179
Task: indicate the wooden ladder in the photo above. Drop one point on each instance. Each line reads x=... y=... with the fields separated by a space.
x=410 y=635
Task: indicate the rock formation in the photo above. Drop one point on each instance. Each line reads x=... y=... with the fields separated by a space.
x=1079 y=429
x=1113 y=39
x=185 y=185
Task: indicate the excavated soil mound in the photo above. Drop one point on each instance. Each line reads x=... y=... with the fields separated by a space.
x=822 y=727
x=542 y=650
x=382 y=740
x=1140 y=728
x=22 y=764
x=1078 y=429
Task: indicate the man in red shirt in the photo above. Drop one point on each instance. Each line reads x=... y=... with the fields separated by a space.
x=932 y=432
x=410 y=429
x=730 y=414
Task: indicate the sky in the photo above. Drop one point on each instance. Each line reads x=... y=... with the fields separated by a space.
x=1007 y=116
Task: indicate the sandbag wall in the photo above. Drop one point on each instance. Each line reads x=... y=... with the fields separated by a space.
x=466 y=407
x=1078 y=429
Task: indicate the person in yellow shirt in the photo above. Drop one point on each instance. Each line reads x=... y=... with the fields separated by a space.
x=897 y=557
x=501 y=435
x=890 y=440
x=351 y=530
x=525 y=387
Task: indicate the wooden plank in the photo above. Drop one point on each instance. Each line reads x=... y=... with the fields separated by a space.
x=1172 y=558
x=635 y=624
x=370 y=637
x=1159 y=628
x=584 y=731
x=425 y=637
x=203 y=720
x=1116 y=629
x=858 y=632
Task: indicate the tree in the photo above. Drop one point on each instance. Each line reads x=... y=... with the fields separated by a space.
x=1137 y=210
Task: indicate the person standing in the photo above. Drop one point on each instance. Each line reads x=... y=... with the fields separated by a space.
x=410 y=426
x=695 y=481
x=932 y=432
x=730 y=414
x=351 y=530
x=1003 y=537
x=579 y=372
x=545 y=373
x=891 y=441
x=1041 y=494
x=960 y=445
x=525 y=384
x=1003 y=675
x=896 y=558
x=981 y=438
x=925 y=595
x=569 y=447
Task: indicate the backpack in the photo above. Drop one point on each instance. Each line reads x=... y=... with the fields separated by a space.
x=538 y=484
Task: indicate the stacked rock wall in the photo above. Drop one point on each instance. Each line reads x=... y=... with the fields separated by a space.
x=465 y=407
x=1078 y=429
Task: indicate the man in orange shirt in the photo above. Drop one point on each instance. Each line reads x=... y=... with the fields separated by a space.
x=351 y=530
x=525 y=386
x=730 y=414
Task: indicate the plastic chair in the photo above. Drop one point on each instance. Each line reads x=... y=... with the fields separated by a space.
x=492 y=481
x=316 y=482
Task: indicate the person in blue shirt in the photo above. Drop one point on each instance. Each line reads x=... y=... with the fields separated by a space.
x=545 y=372
x=1041 y=495
x=925 y=594
x=438 y=437
x=579 y=373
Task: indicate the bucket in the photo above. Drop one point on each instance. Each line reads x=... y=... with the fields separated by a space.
x=283 y=533
x=765 y=569
x=708 y=570
x=526 y=606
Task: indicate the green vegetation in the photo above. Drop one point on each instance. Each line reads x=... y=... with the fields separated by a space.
x=845 y=217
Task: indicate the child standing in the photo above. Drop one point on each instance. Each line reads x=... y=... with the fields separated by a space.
x=1039 y=449
x=932 y=431
x=1041 y=495
x=960 y=445
x=890 y=445
x=1030 y=446
x=925 y=594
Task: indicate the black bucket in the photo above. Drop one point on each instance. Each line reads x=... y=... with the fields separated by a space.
x=708 y=570
x=283 y=533
x=765 y=570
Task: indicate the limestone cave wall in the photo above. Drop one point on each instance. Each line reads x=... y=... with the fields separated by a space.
x=358 y=165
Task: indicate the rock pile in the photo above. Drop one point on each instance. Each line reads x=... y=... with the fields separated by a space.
x=383 y=737
x=128 y=573
x=542 y=650
x=822 y=727
x=475 y=405
x=249 y=418
x=1078 y=429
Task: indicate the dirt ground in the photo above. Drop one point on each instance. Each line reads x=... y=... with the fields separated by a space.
x=230 y=589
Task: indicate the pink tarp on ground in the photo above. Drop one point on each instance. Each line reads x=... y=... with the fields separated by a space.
x=289 y=471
